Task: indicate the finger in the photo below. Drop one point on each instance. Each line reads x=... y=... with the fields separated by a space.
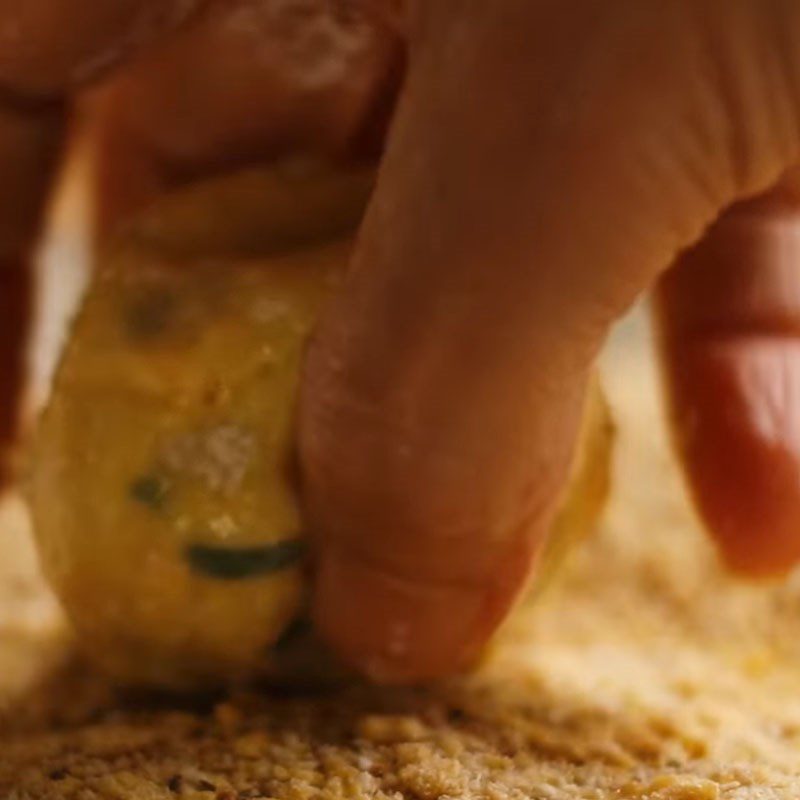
x=29 y=146
x=729 y=318
x=48 y=49
x=513 y=220
x=246 y=83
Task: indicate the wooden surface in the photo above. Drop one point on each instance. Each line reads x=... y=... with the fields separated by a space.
x=646 y=673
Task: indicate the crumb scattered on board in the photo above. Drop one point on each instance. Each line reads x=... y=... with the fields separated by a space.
x=647 y=673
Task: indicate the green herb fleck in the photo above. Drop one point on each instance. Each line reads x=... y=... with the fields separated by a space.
x=149 y=315
x=230 y=564
x=149 y=490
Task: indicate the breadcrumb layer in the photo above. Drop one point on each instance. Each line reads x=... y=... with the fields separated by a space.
x=645 y=673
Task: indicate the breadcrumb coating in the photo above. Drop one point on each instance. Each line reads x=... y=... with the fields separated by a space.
x=646 y=673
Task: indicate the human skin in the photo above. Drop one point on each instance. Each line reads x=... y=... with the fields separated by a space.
x=546 y=163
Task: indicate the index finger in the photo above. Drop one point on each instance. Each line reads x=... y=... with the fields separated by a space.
x=29 y=145
x=48 y=49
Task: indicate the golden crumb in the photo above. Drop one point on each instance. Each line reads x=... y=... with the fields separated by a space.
x=645 y=673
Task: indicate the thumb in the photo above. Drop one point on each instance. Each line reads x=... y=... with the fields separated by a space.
x=546 y=161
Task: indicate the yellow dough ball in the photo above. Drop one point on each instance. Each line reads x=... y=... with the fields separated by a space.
x=161 y=477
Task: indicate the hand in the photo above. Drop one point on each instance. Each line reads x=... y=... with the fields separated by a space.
x=547 y=162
